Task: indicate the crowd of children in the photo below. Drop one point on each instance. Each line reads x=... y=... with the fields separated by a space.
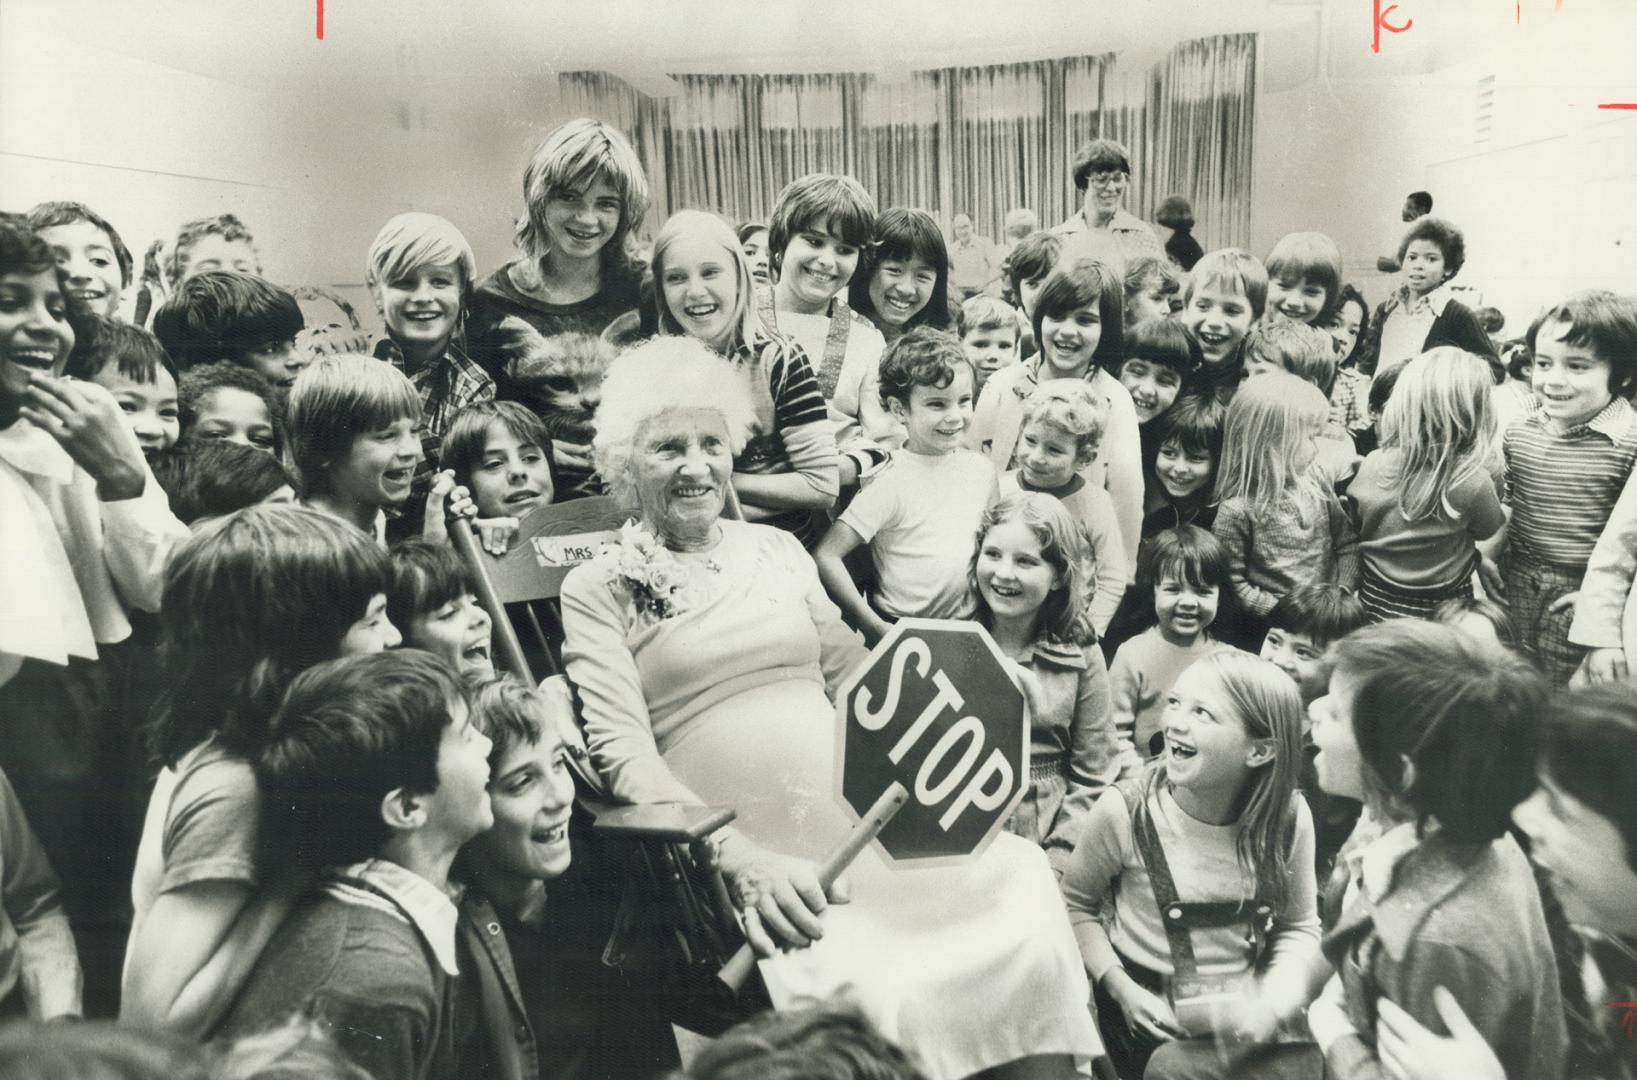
x=1296 y=590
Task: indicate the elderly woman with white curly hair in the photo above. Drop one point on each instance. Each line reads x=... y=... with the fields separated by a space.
x=706 y=653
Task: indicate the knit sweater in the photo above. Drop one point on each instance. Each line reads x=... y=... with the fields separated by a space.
x=1307 y=537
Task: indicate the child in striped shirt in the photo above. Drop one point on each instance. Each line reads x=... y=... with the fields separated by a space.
x=1566 y=463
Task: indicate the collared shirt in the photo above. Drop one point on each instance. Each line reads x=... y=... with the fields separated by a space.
x=974 y=264
x=1407 y=321
x=446 y=387
x=431 y=910
x=1562 y=485
x=1130 y=234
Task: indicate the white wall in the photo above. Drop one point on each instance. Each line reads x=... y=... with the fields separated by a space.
x=1544 y=195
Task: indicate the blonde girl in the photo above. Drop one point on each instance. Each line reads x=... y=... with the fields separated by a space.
x=1281 y=524
x=1033 y=577
x=703 y=288
x=1427 y=497
x=1214 y=836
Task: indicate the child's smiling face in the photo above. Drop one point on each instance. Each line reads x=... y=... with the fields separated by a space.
x=1069 y=341
x=990 y=348
x=1183 y=609
x=701 y=288
x=1219 y=318
x=936 y=418
x=1181 y=471
x=1298 y=299
x=233 y=415
x=34 y=329
x=1153 y=386
x=85 y=254
x=1013 y=575
x=379 y=466
x=900 y=288
x=1572 y=381
x=816 y=265
x=1344 y=326
x=1047 y=455
x=422 y=307
x=580 y=223
x=512 y=477
x=150 y=407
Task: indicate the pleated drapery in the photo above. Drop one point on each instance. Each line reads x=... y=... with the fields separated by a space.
x=978 y=140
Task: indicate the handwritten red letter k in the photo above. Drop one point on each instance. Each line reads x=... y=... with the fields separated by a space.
x=1381 y=24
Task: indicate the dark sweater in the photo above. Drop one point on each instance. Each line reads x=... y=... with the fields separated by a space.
x=1456 y=326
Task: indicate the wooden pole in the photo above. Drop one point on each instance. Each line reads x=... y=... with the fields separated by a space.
x=737 y=969
x=511 y=650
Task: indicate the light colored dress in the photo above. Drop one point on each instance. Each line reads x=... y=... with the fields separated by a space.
x=726 y=701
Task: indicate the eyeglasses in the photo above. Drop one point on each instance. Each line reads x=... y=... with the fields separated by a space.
x=1105 y=181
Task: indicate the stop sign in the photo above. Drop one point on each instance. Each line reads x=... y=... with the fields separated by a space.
x=935 y=707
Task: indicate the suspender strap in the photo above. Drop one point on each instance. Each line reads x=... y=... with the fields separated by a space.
x=1181 y=918
x=828 y=366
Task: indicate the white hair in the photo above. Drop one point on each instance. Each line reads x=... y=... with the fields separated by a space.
x=663 y=374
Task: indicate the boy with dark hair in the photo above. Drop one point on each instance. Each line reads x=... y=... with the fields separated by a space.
x=920 y=513
x=374 y=774
x=227 y=315
x=95 y=262
x=130 y=364
x=1422 y=314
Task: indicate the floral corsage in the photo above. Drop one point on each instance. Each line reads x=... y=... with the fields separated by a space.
x=651 y=572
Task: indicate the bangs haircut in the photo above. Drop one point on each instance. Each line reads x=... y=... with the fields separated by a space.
x=411 y=241
x=1302 y=257
x=1268 y=706
x=213 y=478
x=1100 y=155
x=225 y=315
x=1088 y=283
x=900 y=235
x=250 y=600
x=198 y=383
x=982 y=312
x=510 y=714
x=1320 y=610
x=1305 y=351
x=1589 y=749
x=572 y=158
x=337 y=400
x=665 y=374
x=425 y=576
x=921 y=357
x=1603 y=322
x=468 y=434
x=1446 y=724
x=1065 y=615
x=1166 y=342
x=1268 y=420
x=1035 y=256
x=1188 y=553
x=1071 y=405
x=698 y=224
x=1231 y=270
x=227 y=226
x=50 y=214
x=21 y=249
x=820 y=202
x=349 y=733
x=1440 y=232
x=131 y=350
x=1195 y=423
x=1441 y=420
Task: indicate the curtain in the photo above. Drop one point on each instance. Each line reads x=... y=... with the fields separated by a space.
x=975 y=140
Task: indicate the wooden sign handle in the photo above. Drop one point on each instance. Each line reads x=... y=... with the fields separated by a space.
x=511 y=649
x=737 y=969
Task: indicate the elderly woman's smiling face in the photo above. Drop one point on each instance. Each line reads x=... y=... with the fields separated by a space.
x=680 y=467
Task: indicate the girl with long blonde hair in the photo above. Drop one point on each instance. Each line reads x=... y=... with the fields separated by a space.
x=1428 y=495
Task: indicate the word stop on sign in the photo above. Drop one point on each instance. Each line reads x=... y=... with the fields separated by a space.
x=934 y=708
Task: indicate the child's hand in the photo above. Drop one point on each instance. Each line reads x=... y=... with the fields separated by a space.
x=1411 y=1052
x=1489 y=575
x=1144 y=1012
x=496 y=534
x=1600 y=666
x=875 y=630
x=88 y=423
x=446 y=499
x=1248 y=1021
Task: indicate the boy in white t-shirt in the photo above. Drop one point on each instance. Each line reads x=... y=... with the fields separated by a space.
x=921 y=512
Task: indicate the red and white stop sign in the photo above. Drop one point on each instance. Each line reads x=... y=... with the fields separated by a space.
x=936 y=708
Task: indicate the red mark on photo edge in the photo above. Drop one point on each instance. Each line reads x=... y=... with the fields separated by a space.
x=1628 y=1019
x=1381 y=24
x=321 y=20
x=1618 y=105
